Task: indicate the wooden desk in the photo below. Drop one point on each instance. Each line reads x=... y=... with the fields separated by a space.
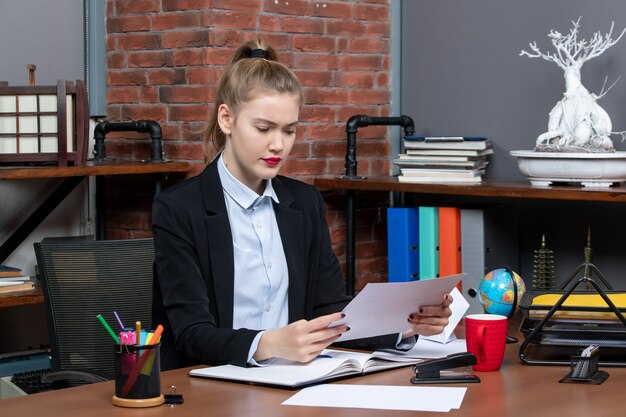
x=515 y=391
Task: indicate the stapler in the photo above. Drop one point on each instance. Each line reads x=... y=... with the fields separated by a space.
x=429 y=372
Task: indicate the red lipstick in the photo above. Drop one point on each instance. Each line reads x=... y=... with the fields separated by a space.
x=272 y=161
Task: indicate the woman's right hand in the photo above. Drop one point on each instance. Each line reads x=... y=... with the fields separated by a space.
x=300 y=341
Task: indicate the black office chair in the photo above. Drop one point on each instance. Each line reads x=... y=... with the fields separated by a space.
x=82 y=278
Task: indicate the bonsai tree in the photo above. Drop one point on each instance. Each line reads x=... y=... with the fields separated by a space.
x=577 y=122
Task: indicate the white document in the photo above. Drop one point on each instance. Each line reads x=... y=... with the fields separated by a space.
x=459 y=306
x=383 y=308
x=425 y=349
x=380 y=397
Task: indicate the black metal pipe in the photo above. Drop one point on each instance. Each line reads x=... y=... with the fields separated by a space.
x=352 y=126
x=350 y=239
x=361 y=120
x=142 y=126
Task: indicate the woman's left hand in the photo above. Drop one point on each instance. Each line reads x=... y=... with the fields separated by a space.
x=429 y=320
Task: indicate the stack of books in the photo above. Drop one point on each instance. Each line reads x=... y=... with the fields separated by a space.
x=443 y=159
x=11 y=280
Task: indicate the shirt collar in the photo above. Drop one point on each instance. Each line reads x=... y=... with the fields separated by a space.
x=239 y=192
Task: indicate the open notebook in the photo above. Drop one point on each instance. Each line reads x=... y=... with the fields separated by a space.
x=330 y=365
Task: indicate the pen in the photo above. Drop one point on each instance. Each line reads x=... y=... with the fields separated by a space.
x=108 y=328
x=138 y=332
x=118 y=320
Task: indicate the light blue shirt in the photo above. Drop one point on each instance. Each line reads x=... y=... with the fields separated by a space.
x=261 y=276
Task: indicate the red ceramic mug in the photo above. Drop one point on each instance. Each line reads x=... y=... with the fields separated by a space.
x=485 y=335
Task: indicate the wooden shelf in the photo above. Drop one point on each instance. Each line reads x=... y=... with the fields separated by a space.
x=108 y=167
x=91 y=168
x=492 y=190
x=516 y=190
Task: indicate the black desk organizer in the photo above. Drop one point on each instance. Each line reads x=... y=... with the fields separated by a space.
x=585 y=369
x=567 y=338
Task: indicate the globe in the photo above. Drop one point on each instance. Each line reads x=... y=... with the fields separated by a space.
x=496 y=291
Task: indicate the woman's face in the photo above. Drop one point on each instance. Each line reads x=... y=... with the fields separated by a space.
x=259 y=136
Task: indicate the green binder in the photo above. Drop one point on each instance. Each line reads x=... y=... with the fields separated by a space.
x=428 y=242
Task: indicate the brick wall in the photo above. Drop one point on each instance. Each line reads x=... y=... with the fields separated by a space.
x=165 y=57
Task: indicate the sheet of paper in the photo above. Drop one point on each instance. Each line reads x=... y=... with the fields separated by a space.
x=380 y=397
x=383 y=308
x=426 y=349
x=10 y=283
x=11 y=279
x=459 y=306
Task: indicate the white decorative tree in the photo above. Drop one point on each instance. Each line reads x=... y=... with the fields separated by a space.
x=577 y=122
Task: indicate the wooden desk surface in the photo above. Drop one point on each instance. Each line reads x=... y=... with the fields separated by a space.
x=516 y=390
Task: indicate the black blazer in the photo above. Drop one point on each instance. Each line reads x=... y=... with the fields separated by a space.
x=194 y=269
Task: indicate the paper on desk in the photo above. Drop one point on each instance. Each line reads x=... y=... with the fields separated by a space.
x=459 y=306
x=380 y=397
x=383 y=308
x=425 y=349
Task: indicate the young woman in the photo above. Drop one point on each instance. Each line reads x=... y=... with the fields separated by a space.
x=244 y=268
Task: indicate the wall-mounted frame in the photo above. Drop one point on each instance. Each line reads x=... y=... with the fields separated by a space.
x=44 y=123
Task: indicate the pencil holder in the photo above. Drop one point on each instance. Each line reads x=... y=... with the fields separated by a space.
x=585 y=369
x=137 y=376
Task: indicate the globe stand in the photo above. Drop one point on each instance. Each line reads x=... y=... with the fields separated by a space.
x=511 y=339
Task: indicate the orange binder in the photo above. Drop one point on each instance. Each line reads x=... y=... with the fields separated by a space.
x=449 y=241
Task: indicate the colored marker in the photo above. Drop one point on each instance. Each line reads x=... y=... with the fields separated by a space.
x=118 y=320
x=127 y=337
x=154 y=339
x=108 y=328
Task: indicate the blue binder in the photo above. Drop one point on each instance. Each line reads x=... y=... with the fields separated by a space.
x=403 y=244
x=429 y=242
